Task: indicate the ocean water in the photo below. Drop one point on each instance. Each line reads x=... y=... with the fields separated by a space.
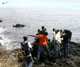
x=33 y=19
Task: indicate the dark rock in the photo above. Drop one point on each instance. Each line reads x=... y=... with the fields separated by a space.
x=0 y=38
x=72 y=42
x=60 y=61
x=77 y=44
x=45 y=61
x=0 y=43
x=18 y=25
x=0 y=20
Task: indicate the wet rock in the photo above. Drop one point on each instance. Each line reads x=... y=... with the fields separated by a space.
x=19 y=25
x=0 y=38
x=0 y=20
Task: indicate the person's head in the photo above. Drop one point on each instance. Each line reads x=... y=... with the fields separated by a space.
x=69 y=32
x=53 y=29
x=38 y=30
x=61 y=31
x=25 y=38
x=66 y=31
x=41 y=32
x=49 y=40
x=45 y=33
x=56 y=31
x=42 y=27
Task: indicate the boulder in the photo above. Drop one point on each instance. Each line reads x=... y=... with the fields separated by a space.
x=0 y=38
x=0 y=20
x=18 y=25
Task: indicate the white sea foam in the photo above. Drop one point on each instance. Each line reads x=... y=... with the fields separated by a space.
x=4 y=41
x=8 y=44
x=2 y=29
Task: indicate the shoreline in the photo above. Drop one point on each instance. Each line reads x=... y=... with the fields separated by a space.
x=2 y=47
x=9 y=58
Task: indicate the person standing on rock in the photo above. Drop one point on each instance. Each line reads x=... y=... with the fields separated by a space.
x=27 y=48
x=43 y=29
x=57 y=43
x=53 y=38
x=49 y=44
x=38 y=33
x=66 y=40
x=43 y=44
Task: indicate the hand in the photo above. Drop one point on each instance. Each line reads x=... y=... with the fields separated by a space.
x=31 y=49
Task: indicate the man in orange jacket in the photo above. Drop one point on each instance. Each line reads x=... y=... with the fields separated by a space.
x=43 y=44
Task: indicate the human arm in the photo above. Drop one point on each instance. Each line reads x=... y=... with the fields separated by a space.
x=30 y=46
x=32 y=35
x=31 y=49
x=62 y=36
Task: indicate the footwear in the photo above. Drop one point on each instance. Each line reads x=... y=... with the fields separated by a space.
x=35 y=59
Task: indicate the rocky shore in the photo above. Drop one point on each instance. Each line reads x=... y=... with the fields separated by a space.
x=9 y=58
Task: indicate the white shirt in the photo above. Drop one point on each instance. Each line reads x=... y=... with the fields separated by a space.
x=57 y=37
x=54 y=35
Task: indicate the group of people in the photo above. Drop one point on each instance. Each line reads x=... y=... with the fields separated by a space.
x=59 y=37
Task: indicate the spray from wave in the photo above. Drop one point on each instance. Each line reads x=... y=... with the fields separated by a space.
x=6 y=43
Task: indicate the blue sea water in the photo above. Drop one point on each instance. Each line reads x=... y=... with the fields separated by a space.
x=33 y=19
